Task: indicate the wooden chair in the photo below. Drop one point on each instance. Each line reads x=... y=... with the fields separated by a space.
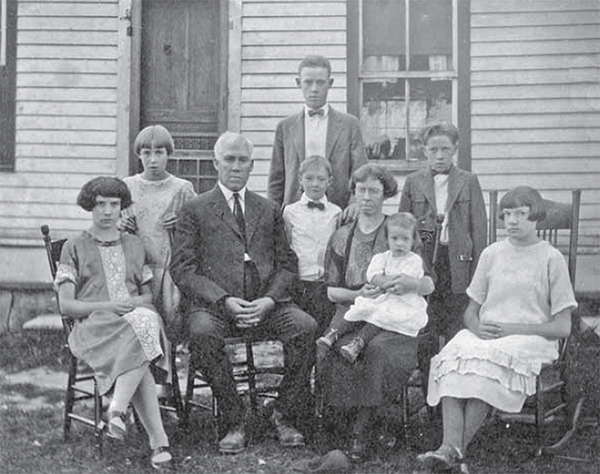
x=81 y=382
x=251 y=380
x=560 y=228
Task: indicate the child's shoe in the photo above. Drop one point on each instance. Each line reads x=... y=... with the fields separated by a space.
x=324 y=343
x=351 y=350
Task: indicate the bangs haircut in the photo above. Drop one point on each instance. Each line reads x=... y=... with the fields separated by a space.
x=315 y=60
x=440 y=128
x=105 y=186
x=405 y=220
x=156 y=135
x=524 y=196
x=381 y=174
x=315 y=161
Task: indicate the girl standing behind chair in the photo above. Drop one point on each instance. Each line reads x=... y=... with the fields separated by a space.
x=404 y=314
x=104 y=286
x=157 y=199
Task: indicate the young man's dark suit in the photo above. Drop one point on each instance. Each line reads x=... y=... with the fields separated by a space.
x=208 y=266
x=456 y=262
x=345 y=150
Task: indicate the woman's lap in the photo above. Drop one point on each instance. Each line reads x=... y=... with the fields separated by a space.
x=376 y=378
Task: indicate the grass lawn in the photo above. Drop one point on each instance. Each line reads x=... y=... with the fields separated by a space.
x=31 y=431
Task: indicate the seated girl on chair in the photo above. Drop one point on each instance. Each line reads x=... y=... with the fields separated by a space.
x=104 y=286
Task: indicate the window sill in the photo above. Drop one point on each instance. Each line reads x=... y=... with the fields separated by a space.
x=402 y=167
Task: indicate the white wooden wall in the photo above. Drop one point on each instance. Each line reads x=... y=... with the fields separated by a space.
x=276 y=35
x=65 y=113
x=535 y=90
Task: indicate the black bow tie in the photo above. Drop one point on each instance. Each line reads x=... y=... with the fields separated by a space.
x=312 y=113
x=434 y=172
x=316 y=205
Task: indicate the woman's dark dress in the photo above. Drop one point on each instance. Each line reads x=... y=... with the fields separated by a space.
x=387 y=362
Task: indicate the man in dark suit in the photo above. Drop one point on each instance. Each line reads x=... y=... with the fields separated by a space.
x=454 y=194
x=235 y=269
x=317 y=130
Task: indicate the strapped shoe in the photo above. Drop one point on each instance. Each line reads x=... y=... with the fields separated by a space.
x=117 y=427
x=351 y=351
x=234 y=441
x=161 y=458
x=445 y=458
x=287 y=434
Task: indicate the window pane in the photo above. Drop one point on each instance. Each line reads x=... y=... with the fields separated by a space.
x=383 y=35
x=384 y=112
x=430 y=35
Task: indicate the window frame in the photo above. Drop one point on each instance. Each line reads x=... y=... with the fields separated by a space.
x=460 y=77
x=8 y=81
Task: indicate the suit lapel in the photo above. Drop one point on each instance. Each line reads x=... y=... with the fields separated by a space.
x=253 y=214
x=426 y=184
x=220 y=208
x=455 y=184
x=297 y=131
x=334 y=128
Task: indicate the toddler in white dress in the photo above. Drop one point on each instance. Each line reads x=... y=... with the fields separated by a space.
x=404 y=314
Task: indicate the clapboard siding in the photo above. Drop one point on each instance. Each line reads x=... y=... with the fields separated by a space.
x=535 y=98
x=275 y=36
x=66 y=113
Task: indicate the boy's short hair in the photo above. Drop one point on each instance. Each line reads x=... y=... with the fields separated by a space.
x=156 y=135
x=315 y=60
x=524 y=196
x=105 y=186
x=381 y=174
x=405 y=220
x=314 y=161
x=440 y=128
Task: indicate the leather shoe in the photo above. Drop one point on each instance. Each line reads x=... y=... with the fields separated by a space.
x=287 y=434
x=333 y=461
x=234 y=441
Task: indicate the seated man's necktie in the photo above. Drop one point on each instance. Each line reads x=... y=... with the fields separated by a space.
x=316 y=205
x=238 y=213
x=312 y=113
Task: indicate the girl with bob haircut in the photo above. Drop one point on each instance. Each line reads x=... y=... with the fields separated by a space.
x=521 y=301
x=157 y=199
x=104 y=286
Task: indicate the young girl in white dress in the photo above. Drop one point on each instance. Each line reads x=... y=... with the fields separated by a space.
x=157 y=199
x=404 y=314
x=521 y=303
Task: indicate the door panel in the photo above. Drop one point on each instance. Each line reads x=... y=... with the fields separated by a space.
x=181 y=85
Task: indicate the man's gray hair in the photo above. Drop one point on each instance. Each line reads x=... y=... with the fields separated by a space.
x=227 y=138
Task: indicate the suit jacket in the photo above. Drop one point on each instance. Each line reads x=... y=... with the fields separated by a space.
x=345 y=150
x=208 y=250
x=467 y=221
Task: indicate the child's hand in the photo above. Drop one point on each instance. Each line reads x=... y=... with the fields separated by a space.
x=128 y=224
x=371 y=291
x=169 y=221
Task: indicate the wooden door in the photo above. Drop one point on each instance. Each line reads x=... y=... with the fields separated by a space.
x=182 y=80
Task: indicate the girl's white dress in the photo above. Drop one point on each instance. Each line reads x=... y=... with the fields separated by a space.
x=513 y=284
x=404 y=314
x=152 y=201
